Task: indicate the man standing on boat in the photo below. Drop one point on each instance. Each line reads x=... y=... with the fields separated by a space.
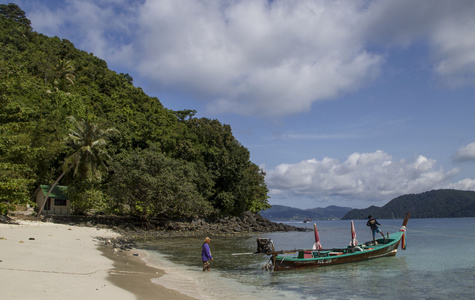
x=206 y=254
x=374 y=227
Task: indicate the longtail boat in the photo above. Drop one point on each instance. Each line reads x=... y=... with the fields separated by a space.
x=355 y=252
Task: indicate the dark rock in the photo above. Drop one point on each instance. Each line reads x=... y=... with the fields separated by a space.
x=7 y=220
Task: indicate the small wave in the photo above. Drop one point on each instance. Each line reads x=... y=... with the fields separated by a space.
x=212 y=285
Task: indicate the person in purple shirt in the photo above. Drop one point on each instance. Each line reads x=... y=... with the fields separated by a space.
x=206 y=254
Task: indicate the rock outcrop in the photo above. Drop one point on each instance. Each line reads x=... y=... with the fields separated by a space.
x=137 y=229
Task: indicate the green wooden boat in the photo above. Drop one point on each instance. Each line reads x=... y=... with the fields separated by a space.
x=311 y=258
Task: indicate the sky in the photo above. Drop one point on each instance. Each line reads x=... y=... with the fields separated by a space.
x=349 y=103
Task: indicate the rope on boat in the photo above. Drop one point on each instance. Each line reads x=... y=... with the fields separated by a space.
x=267 y=246
x=268 y=266
x=435 y=233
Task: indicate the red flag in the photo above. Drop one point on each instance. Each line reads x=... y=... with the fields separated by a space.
x=354 y=241
x=316 y=245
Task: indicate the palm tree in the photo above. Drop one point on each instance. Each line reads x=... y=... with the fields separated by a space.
x=63 y=74
x=89 y=157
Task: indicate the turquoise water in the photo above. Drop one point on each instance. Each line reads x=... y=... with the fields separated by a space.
x=439 y=263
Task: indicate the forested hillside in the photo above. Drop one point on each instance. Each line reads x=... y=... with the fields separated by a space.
x=64 y=115
x=432 y=204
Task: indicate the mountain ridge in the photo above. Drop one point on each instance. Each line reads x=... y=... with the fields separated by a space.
x=282 y=212
x=443 y=203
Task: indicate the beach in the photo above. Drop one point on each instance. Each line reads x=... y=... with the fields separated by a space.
x=40 y=260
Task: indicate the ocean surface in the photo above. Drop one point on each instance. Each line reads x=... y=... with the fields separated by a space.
x=439 y=263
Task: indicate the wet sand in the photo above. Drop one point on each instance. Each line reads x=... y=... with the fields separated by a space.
x=134 y=275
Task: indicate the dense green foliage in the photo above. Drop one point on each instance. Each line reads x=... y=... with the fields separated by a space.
x=159 y=161
x=87 y=162
x=432 y=204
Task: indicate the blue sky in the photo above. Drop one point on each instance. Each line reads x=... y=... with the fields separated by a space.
x=348 y=103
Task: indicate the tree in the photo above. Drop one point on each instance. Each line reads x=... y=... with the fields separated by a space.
x=88 y=160
x=86 y=195
x=253 y=191
x=146 y=183
x=15 y=13
x=182 y=115
x=239 y=184
x=14 y=183
x=18 y=153
x=89 y=141
x=63 y=74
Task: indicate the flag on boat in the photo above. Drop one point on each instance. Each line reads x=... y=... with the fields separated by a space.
x=354 y=241
x=316 y=245
x=403 y=239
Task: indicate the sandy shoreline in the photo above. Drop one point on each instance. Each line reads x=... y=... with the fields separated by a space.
x=134 y=275
x=41 y=260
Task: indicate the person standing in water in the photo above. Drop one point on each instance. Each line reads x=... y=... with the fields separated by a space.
x=206 y=254
x=374 y=227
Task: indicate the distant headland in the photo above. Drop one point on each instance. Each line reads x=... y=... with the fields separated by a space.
x=444 y=203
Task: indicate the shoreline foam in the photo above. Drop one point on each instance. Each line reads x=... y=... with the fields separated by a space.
x=190 y=280
x=133 y=274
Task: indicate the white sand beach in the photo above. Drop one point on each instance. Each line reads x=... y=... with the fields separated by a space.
x=40 y=260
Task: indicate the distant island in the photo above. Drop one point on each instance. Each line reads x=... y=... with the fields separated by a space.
x=444 y=203
x=431 y=204
x=281 y=212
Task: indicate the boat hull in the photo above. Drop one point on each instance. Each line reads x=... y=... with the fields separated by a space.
x=334 y=258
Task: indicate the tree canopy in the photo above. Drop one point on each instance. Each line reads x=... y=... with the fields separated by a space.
x=162 y=162
x=13 y=12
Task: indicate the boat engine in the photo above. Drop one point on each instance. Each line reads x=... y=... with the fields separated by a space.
x=265 y=246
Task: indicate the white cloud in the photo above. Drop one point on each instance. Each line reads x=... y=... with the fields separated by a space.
x=362 y=176
x=466 y=184
x=252 y=57
x=103 y=27
x=466 y=153
x=446 y=26
x=260 y=57
x=454 y=43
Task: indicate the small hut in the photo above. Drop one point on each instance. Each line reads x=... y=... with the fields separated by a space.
x=57 y=204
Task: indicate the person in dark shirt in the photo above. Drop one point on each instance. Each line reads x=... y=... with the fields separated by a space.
x=206 y=254
x=374 y=227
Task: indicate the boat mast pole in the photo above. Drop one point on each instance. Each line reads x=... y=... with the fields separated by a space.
x=406 y=219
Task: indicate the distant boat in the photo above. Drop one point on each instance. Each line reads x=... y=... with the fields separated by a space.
x=307 y=220
x=308 y=258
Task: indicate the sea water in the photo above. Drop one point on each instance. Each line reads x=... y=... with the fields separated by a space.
x=439 y=263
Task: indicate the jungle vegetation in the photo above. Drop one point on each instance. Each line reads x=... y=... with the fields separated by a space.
x=66 y=118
